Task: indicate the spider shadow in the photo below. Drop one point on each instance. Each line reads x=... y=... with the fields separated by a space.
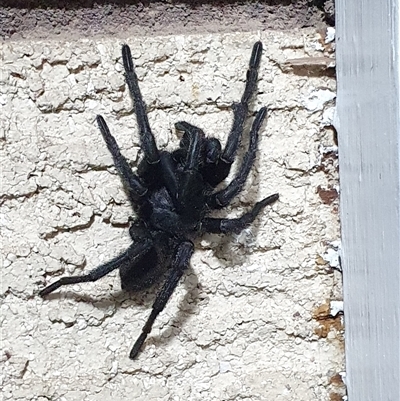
x=225 y=249
x=188 y=304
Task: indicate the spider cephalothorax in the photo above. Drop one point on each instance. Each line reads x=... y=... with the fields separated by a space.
x=172 y=194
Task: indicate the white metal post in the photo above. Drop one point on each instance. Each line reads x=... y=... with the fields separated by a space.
x=368 y=124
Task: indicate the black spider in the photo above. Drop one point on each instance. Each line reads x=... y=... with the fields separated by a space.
x=173 y=193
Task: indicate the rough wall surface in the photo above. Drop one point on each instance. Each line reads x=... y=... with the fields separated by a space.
x=251 y=319
x=83 y=18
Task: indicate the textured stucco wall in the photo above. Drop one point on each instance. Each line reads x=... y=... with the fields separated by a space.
x=251 y=319
x=85 y=18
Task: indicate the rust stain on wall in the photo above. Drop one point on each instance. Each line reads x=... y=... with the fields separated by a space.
x=326 y=321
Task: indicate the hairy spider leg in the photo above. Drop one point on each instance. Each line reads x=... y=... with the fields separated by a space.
x=131 y=181
x=148 y=142
x=168 y=167
x=124 y=259
x=190 y=173
x=181 y=185
x=222 y=198
x=178 y=190
x=179 y=264
x=212 y=146
x=178 y=186
x=252 y=72
x=240 y=111
x=235 y=226
x=213 y=150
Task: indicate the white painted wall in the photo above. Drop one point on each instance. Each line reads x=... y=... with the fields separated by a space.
x=368 y=123
x=242 y=325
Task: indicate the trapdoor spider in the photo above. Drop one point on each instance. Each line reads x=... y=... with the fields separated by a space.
x=173 y=194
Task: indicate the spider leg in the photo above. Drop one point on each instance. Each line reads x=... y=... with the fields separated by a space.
x=192 y=181
x=191 y=136
x=239 y=115
x=180 y=186
x=212 y=146
x=213 y=150
x=179 y=264
x=148 y=142
x=194 y=149
x=252 y=72
x=135 y=188
x=235 y=226
x=168 y=173
x=124 y=259
x=222 y=198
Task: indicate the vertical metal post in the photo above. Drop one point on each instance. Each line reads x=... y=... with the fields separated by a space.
x=368 y=124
